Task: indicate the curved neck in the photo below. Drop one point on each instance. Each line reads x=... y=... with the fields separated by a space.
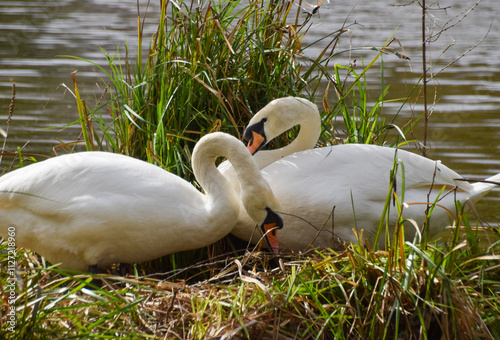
x=218 y=189
x=309 y=133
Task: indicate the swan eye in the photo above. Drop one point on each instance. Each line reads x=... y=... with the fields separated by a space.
x=263 y=120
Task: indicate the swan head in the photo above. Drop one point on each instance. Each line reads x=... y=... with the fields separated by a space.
x=269 y=228
x=263 y=208
x=279 y=116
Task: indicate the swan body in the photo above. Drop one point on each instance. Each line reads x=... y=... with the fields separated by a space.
x=97 y=208
x=327 y=192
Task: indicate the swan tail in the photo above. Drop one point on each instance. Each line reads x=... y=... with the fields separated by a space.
x=495 y=178
x=483 y=187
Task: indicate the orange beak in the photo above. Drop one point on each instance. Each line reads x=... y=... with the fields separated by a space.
x=271 y=235
x=255 y=143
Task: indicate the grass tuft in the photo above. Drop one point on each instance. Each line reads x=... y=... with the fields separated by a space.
x=210 y=68
x=449 y=291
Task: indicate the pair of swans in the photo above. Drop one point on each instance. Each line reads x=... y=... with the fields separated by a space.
x=327 y=192
x=93 y=209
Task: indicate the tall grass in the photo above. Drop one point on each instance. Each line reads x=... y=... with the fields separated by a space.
x=208 y=68
x=211 y=68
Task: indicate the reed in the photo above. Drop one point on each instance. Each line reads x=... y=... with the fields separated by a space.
x=5 y=132
x=210 y=69
x=207 y=69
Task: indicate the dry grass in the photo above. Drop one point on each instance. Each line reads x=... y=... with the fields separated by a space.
x=351 y=294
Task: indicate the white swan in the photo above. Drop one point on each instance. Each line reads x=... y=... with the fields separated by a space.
x=97 y=208
x=321 y=190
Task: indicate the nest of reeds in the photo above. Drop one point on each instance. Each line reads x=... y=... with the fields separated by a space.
x=349 y=294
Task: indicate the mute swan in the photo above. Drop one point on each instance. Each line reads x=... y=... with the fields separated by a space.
x=97 y=208
x=311 y=183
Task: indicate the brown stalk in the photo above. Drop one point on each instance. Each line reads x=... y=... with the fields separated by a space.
x=424 y=75
x=9 y=118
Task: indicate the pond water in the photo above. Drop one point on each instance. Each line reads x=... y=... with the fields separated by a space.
x=464 y=129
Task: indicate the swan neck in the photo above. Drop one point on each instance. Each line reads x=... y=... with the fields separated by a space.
x=210 y=179
x=308 y=135
x=303 y=113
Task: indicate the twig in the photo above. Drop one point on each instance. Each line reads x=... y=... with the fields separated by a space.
x=461 y=56
x=9 y=118
x=447 y=25
x=424 y=75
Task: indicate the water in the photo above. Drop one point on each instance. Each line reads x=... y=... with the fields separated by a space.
x=34 y=38
x=464 y=130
